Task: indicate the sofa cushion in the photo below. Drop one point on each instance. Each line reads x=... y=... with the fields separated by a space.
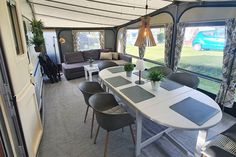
x=105 y=56
x=76 y=57
x=76 y=67
x=115 y=55
x=120 y=62
x=93 y=54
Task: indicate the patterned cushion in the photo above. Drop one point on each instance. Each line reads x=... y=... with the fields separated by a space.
x=76 y=57
x=105 y=56
x=115 y=110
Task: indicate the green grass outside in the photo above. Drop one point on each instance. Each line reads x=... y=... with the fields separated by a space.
x=204 y=62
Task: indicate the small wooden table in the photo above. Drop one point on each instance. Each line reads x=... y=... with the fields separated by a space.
x=89 y=70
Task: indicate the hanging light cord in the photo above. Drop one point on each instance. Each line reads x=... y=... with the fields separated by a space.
x=146 y=6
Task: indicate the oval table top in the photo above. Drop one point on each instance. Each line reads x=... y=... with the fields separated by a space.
x=158 y=108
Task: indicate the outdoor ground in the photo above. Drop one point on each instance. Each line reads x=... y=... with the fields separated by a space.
x=205 y=62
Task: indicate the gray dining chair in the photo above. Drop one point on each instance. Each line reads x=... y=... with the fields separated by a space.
x=165 y=70
x=106 y=64
x=223 y=145
x=88 y=89
x=186 y=79
x=110 y=115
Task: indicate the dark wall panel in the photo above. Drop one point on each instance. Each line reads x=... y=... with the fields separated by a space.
x=110 y=39
x=68 y=45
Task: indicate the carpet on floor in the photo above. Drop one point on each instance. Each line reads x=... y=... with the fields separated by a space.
x=65 y=134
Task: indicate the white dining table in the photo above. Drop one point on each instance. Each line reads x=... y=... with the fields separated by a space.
x=158 y=110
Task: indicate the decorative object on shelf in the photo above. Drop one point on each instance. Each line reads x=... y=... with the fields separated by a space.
x=140 y=67
x=155 y=77
x=62 y=40
x=129 y=67
x=37 y=40
x=91 y=62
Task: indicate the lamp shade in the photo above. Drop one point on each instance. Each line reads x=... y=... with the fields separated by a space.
x=140 y=65
x=145 y=37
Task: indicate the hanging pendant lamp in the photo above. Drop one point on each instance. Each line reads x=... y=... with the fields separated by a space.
x=145 y=37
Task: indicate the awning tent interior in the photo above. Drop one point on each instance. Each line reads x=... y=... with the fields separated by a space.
x=95 y=13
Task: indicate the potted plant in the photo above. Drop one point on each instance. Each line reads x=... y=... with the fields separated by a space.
x=155 y=77
x=37 y=40
x=91 y=62
x=129 y=67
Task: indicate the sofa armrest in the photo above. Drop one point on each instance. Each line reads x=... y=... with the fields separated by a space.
x=125 y=57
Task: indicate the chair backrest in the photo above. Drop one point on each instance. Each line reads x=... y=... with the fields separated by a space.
x=106 y=64
x=186 y=79
x=102 y=102
x=165 y=70
x=89 y=88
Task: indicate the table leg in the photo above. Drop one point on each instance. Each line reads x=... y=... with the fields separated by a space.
x=201 y=139
x=90 y=76
x=86 y=74
x=138 y=133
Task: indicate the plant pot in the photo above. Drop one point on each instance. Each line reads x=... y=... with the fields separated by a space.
x=91 y=64
x=155 y=85
x=38 y=48
x=128 y=73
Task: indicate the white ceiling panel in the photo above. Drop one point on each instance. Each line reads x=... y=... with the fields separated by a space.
x=94 y=13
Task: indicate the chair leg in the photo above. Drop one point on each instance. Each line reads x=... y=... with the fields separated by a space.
x=106 y=144
x=132 y=133
x=95 y=139
x=86 y=114
x=91 y=133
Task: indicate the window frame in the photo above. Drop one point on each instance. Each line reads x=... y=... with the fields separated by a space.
x=202 y=24
x=16 y=28
x=146 y=59
x=99 y=31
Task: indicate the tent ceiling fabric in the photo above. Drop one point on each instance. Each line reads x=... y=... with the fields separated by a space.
x=93 y=13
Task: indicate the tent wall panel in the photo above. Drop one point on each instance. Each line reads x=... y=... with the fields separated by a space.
x=156 y=20
x=110 y=39
x=208 y=14
x=68 y=46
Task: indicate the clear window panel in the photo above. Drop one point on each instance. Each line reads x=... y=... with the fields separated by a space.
x=147 y=65
x=89 y=40
x=155 y=53
x=208 y=85
x=132 y=35
x=202 y=50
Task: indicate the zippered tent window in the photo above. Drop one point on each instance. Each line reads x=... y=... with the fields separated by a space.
x=88 y=40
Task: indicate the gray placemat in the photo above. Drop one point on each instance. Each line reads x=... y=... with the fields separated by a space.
x=116 y=69
x=144 y=74
x=170 y=85
x=194 y=110
x=137 y=94
x=117 y=81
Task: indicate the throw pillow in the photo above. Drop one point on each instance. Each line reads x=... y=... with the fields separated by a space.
x=115 y=55
x=106 y=56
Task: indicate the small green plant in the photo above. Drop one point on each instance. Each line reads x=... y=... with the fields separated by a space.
x=129 y=67
x=155 y=75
